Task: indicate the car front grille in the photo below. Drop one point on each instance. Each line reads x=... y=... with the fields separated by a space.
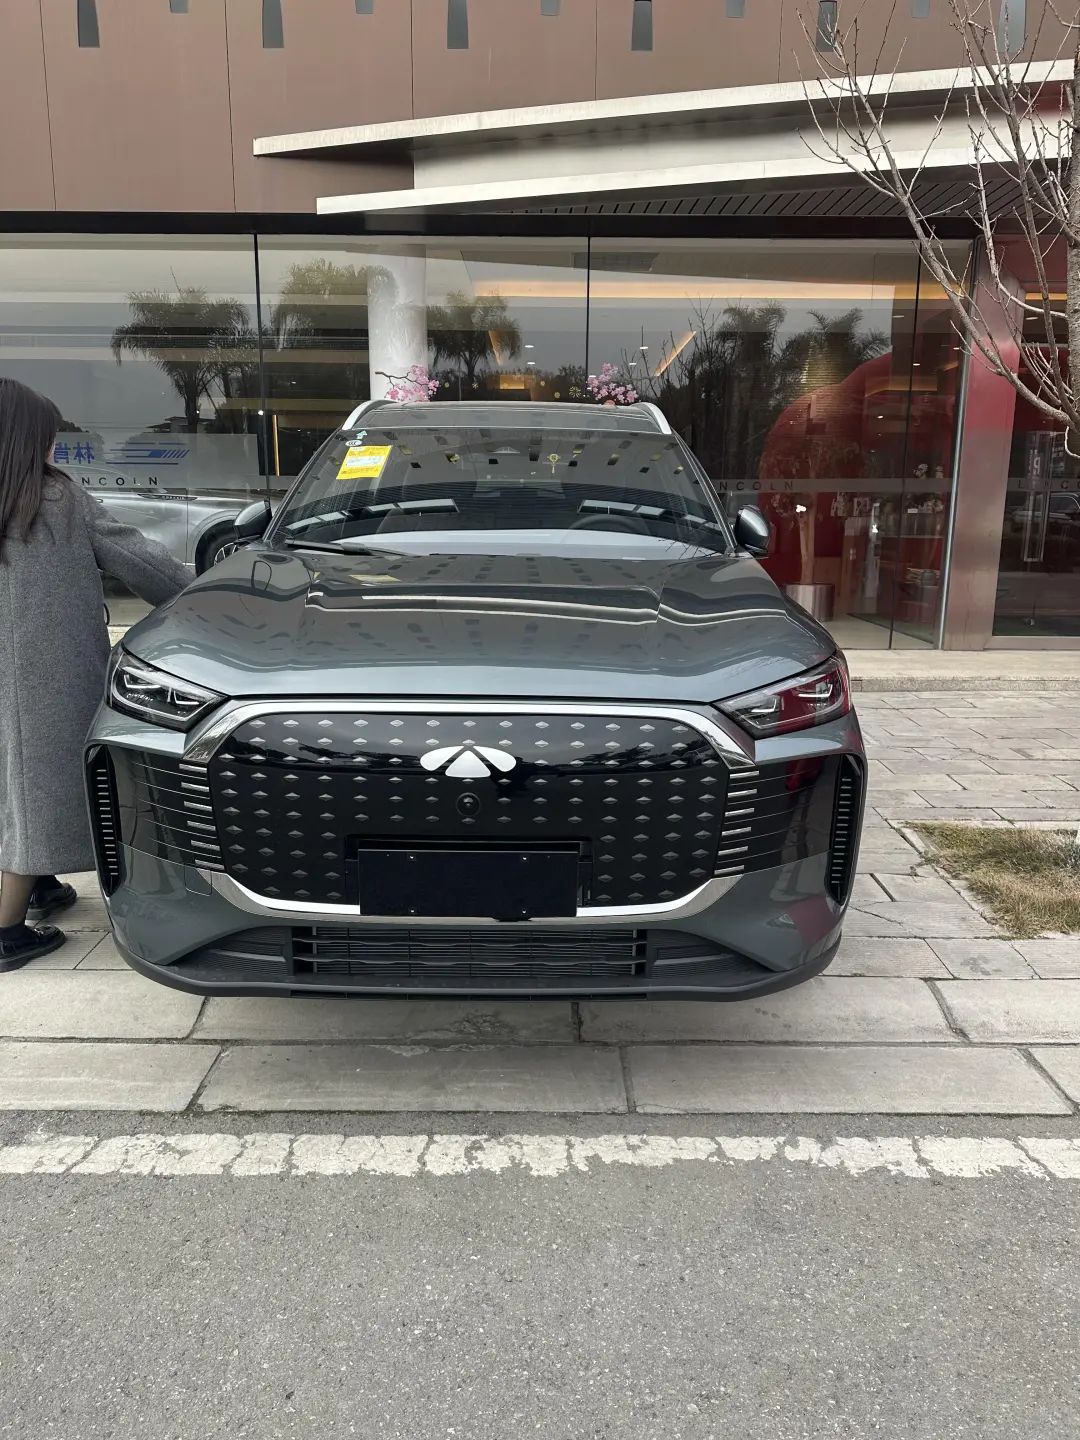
x=640 y=796
x=776 y=814
x=165 y=808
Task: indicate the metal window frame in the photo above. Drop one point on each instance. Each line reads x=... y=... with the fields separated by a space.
x=828 y=19
x=641 y=26
x=273 y=25
x=86 y=23
x=457 y=24
x=1012 y=26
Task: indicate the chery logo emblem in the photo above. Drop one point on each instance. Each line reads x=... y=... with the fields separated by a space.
x=468 y=761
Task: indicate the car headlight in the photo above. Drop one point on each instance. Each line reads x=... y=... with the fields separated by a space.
x=810 y=699
x=138 y=689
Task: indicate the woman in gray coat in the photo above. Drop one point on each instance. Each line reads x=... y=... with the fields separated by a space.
x=55 y=539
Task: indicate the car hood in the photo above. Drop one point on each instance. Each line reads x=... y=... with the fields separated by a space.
x=277 y=622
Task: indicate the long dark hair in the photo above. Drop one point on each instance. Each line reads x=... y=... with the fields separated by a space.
x=28 y=426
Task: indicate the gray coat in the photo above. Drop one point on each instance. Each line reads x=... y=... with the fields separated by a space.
x=53 y=652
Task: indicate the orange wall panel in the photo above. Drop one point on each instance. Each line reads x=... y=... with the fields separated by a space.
x=26 y=181
x=516 y=56
x=696 y=46
x=142 y=122
x=336 y=68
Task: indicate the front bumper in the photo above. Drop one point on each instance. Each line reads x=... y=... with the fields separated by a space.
x=179 y=917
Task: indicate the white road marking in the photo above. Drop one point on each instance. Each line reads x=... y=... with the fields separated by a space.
x=535 y=1156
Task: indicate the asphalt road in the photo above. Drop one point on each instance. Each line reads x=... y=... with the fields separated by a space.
x=695 y=1300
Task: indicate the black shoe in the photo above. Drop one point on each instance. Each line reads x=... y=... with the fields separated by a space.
x=19 y=947
x=46 y=901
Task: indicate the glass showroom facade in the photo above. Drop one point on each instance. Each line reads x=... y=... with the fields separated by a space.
x=820 y=380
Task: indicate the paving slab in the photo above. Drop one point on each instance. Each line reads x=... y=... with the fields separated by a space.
x=85 y=915
x=928 y=921
x=104 y=956
x=866 y=890
x=913 y=959
x=80 y=1005
x=1053 y=957
x=890 y=860
x=827 y=1008
x=913 y=776
x=314 y=1019
x=70 y=954
x=920 y=889
x=840 y=1080
x=579 y=1079
x=982 y=959
x=1018 y=1012
x=71 y=1076
x=1063 y=1063
x=1049 y=787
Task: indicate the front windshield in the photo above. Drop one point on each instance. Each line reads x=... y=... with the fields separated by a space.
x=379 y=486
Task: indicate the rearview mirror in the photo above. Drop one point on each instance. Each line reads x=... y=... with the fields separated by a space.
x=252 y=521
x=753 y=532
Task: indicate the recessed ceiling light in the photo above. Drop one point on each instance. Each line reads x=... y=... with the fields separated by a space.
x=881 y=417
x=915 y=364
x=529 y=347
x=898 y=315
x=644 y=347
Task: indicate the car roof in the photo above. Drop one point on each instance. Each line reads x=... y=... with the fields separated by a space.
x=640 y=419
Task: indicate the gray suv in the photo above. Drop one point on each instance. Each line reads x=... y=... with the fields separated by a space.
x=497 y=703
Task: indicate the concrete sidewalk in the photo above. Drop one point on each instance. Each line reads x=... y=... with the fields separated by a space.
x=928 y=1008
x=964 y=670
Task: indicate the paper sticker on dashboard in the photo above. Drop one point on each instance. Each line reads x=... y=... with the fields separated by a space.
x=364 y=462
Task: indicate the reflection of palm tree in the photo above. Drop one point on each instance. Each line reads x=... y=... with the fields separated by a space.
x=469 y=330
x=727 y=382
x=835 y=347
x=197 y=342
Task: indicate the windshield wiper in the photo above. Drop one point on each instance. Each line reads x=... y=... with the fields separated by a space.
x=335 y=547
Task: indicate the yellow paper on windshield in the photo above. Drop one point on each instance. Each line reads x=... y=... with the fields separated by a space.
x=364 y=462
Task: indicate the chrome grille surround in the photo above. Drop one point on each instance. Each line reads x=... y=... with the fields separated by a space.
x=329 y=775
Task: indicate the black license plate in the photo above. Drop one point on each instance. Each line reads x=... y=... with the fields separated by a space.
x=491 y=883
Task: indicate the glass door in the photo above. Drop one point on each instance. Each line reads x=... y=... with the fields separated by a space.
x=1039 y=574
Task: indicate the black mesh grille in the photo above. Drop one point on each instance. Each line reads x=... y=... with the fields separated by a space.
x=529 y=960
x=105 y=820
x=845 y=828
x=479 y=957
x=775 y=814
x=640 y=796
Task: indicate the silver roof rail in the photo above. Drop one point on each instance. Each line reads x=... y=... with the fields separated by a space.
x=657 y=414
x=362 y=409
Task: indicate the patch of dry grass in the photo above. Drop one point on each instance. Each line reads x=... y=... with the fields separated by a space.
x=1030 y=879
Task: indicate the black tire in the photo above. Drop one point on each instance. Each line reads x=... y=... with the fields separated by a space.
x=214 y=546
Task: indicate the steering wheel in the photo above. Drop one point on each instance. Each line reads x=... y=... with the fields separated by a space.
x=629 y=524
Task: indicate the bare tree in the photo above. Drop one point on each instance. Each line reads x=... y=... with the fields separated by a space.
x=1017 y=119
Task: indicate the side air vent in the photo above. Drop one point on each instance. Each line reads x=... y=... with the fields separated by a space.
x=775 y=814
x=104 y=818
x=844 y=839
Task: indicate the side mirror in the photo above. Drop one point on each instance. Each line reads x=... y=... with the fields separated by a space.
x=252 y=522
x=752 y=531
